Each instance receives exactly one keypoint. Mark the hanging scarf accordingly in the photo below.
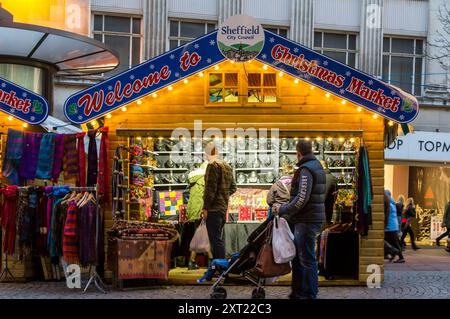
(28, 164)
(57, 221)
(88, 250)
(27, 225)
(365, 193)
(45, 158)
(70, 236)
(8, 218)
(49, 193)
(13, 154)
(103, 169)
(81, 159)
(41, 223)
(22, 208)
(70, 160)
(58, 157)
(92, 159)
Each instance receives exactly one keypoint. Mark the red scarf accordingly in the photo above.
(70, 235)
(81, 159)
(8, 218)
(103, 162)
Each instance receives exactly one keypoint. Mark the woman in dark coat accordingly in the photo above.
(408, 215)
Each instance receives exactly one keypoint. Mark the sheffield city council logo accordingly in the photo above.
(240, 38)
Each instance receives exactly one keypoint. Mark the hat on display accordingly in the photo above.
(350, 162)
(241, 178)
(284, 145)
(265, 160)
(168, 179)
(241, 144)
(253, 178)
(241, 162)
(348, 145)
(158, 179)
(329, 162)
(329, 146)
(160, 145)
(341, 179)
(292, 144)
(284, 160)
(348, 178)
(269, 177)
(170, 163)
(170, 144)
(256, 163)
(198, 146)
(182, 178)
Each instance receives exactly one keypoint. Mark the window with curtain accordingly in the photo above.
(123, 34)
(403, 63)
(339, 46)
(29, 77)
(182, 32)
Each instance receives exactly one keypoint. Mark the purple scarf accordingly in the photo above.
(28, 164)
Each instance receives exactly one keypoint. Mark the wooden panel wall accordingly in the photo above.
(301, 108)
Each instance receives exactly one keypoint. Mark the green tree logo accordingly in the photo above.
(73, 109)
(407, 106)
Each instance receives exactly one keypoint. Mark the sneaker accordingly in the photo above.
(399, 261)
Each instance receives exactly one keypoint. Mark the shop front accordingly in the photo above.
(417, 166)
(255, 98)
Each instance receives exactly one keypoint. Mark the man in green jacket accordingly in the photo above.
(445, 223)
(219, 186)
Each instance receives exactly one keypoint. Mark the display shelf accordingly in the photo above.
(151, 153)
(255, 169)
(167, 185)
(255, 184)
(173, 152)
(339, 152)
(295, 152)
(202, 153)
(165, 169)
(345, 184)
(341, 168)
(146, 166)
(255, 151)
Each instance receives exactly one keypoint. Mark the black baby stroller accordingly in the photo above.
(243, 264)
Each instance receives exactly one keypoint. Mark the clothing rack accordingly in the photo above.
(6, 271)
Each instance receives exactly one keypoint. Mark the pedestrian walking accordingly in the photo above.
(445, 223)
(408, 215)
(391, 226)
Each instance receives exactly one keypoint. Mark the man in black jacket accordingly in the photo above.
(306, 212)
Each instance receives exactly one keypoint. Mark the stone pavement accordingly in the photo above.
(425, 275)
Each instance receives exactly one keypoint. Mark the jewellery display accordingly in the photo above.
(253, 178)
(270, 178)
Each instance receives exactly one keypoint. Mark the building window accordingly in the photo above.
(338, 46)
(182, 32)
(223, 88)
(122, 34)
(280, 31)
(403, 63)
(262, 88)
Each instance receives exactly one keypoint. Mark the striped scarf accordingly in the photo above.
(70, 160)
(81, 159)
(103, 168)
(8, 218)
(70, 236)
(45, 158)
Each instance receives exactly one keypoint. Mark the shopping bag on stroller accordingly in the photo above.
(265, 262)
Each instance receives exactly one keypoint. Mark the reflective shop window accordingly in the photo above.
(123, 34)
(338, 46)
(223, 88)
(262, 88)
(182, 32)
(403, 63)
(278, 30)
(29, 77)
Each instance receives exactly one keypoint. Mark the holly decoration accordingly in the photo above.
(37, 107)
(73, 109)
(407, 106)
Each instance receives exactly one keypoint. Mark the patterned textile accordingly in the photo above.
(8, 218)
(70, 236)
(81, 159)
(92, 169)
(87, 233)
(22, 207)
(11, 161)
(170, 202)
(254, 199)
(27, 225)
(103, 166)
(45, 158)
(41, 224)
(29, 161)
(143, 259)
(118, 200)
(70, 161)
(58, 157)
